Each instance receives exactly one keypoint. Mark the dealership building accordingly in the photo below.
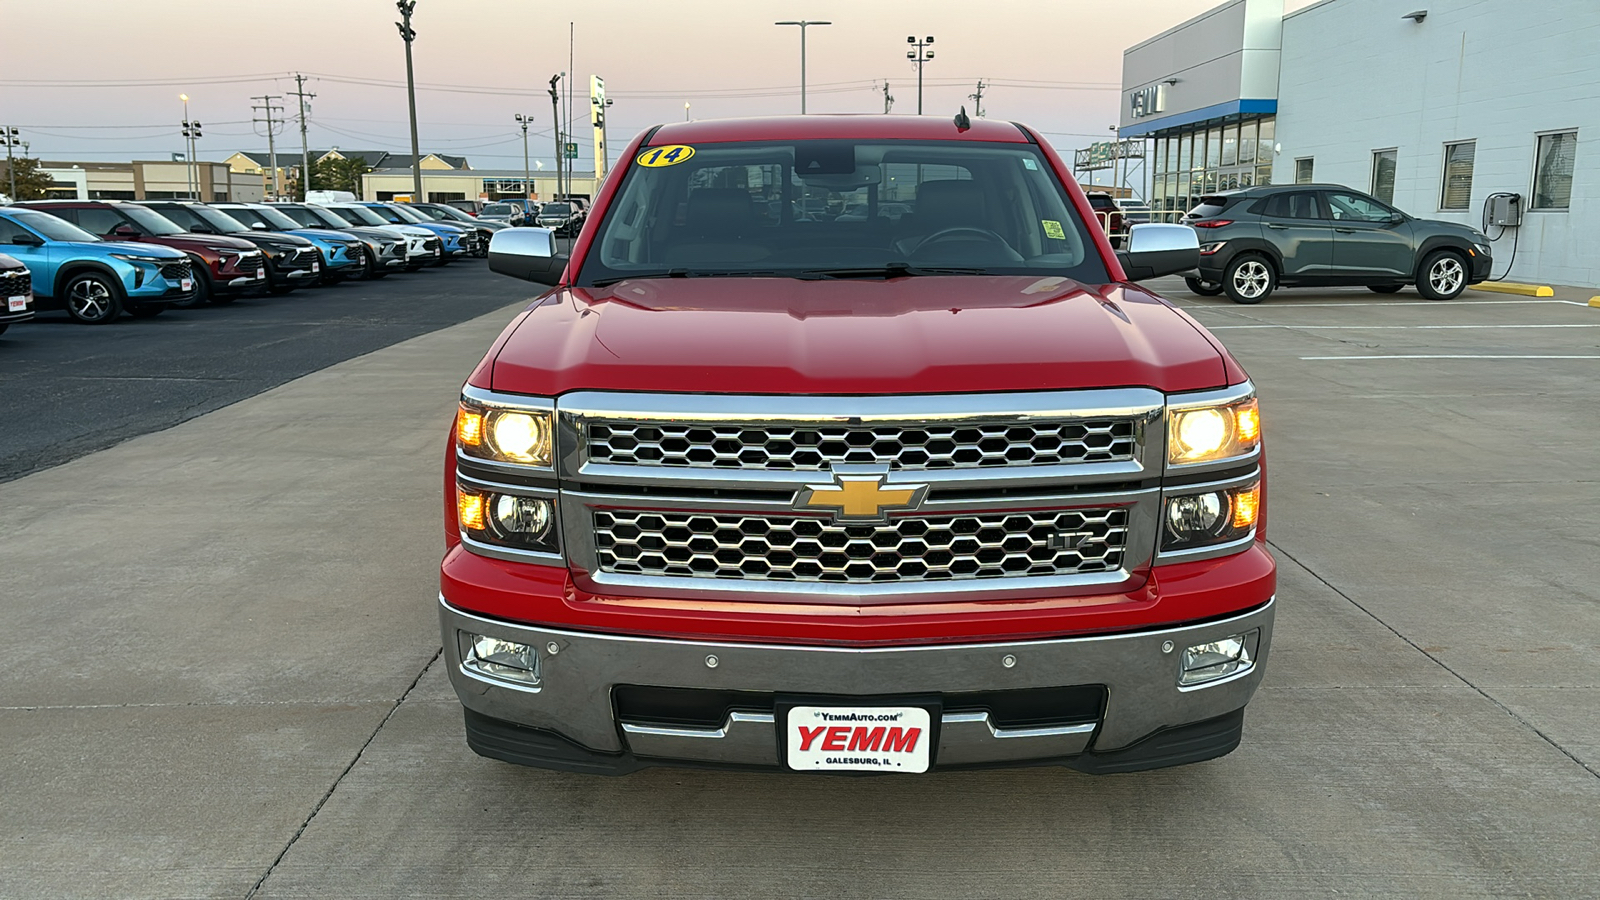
(1442, 108)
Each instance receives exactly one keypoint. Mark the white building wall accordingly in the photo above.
(1356, 77)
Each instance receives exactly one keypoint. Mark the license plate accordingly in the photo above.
(261, 274)
(17, 304)
(186, 284)
(316, 267)
(858, 738)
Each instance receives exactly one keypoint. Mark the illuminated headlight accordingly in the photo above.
(1233, 655)
(499, 658)
(1209, 518)
(508, 520)
(1208, 433)
(520, 436)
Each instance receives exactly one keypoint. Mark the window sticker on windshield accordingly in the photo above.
(1053, 229)
(1029, 164)
(657, 157)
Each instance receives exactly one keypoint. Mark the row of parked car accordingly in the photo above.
(564, 217)
(98, 259)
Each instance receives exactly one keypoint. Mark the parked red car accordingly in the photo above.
(227, 267)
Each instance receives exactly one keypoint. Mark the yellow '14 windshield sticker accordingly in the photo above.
(656, 157)
(1053, 229)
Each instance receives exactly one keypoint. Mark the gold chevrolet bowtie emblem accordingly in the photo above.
(860, 496)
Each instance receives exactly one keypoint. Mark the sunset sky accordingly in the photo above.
(1055, 65)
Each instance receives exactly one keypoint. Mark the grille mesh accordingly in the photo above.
(912, 548)
(175, 271)
(13, 284)
(817, 447)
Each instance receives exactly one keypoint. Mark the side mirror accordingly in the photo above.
(1155, 249)
(202, 229)
(258, 226)
(125, 230)
(27, 239)
(527, 253)
(1396, 218)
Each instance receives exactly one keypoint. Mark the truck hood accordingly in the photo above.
(945, 334)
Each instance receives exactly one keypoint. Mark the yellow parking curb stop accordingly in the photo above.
(1511, 287)
(1594, 302)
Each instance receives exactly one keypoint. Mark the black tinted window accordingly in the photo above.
(98, 221)
(1208, 207)
(1296, 205)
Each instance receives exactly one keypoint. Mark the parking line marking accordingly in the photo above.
(1446, 356)
(1387, 327)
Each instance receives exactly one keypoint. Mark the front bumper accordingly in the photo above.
(570, 720)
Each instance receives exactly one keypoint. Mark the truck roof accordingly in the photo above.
(836, 126)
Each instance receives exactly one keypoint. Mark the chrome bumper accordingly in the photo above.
(573, 700)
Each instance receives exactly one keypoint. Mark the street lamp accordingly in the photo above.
(803, 25)
(919, 56)
(191, 132)
(686, 110)
(10, 138)
(408, 35)
(555, 106)
(527, 188)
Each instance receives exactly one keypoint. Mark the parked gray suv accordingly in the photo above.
(1256, 240)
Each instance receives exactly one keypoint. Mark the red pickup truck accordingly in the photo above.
(928, 485)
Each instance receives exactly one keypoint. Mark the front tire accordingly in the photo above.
(93, 298)
(202, 287)
(1249, 279)
(1203, 288)
(1443, 275)
(1385, 288)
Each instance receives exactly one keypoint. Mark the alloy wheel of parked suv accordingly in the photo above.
(92, 299)
(1249, 279)
(1444, 276)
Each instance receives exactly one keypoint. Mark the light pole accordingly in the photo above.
(555, 112)
(803, 25)
(191, 132)
(919, 56)
(686, 110)
(408, 35)
(9, 137)
(527, 189)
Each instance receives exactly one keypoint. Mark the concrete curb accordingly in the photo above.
(1511, 287)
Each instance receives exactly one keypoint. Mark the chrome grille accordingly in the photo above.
(911, 548)
(807, 447)
(249, 263)
(175, 271)
(14, 284)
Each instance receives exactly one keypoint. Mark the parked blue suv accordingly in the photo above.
(342, 253)
(94, 280)
(456, 241)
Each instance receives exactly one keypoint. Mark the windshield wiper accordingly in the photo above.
(889, 270)
(688, 273)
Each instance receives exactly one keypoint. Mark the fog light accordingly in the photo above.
(1207, 662)
(503, 659)
(1196, 516)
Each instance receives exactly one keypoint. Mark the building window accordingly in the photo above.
(1247, 143)
(1552, 170)
(1230, 144)
(1383, 175)
(1457, 190)
(1302, 170)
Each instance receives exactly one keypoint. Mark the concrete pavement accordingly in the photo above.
(220, 674)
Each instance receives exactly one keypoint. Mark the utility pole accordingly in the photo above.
(527, 188)
(408, 35)
(267, 108)
(920, 56)
(572, 42)
(888, 100)
(9, 137)
(555, 110)
(598, 101)
(803, 25)
(305, 150)
(978, 98)
(191, 132)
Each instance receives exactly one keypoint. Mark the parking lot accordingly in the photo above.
(221, 676)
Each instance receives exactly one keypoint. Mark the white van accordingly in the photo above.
(330, 197)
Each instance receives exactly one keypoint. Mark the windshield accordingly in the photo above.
(408, 214)
(247, 216)
(215, 218)
(275, 218)
(556, 209)
(51, 227)
(151, 221)
(357, 215)
(818, 209)
(387, 215)
(447, 213)
(302, 216)
(498, 209)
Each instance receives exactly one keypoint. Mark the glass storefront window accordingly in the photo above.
(1264, 142)
(1185, 152)
(1247, 142)
(1230, 144)
(1213, 148)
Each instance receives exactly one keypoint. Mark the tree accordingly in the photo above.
(32, 182)
(333, 174)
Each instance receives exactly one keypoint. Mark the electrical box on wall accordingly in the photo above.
(1505, 210)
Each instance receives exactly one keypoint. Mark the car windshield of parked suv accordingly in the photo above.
(205, 217)
(445, 213)
(275, 218)
(556, 209)
(814, 209)
(310, 217)
(407, 214)
(1207, 207)
(151, 221)
(498, 209)
(357, 215)
(387, 215)
(249, 216)
(51, 227)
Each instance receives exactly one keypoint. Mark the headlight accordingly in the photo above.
(522, 436)
(1208, 433)
(1209, 518)
(132, 257)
